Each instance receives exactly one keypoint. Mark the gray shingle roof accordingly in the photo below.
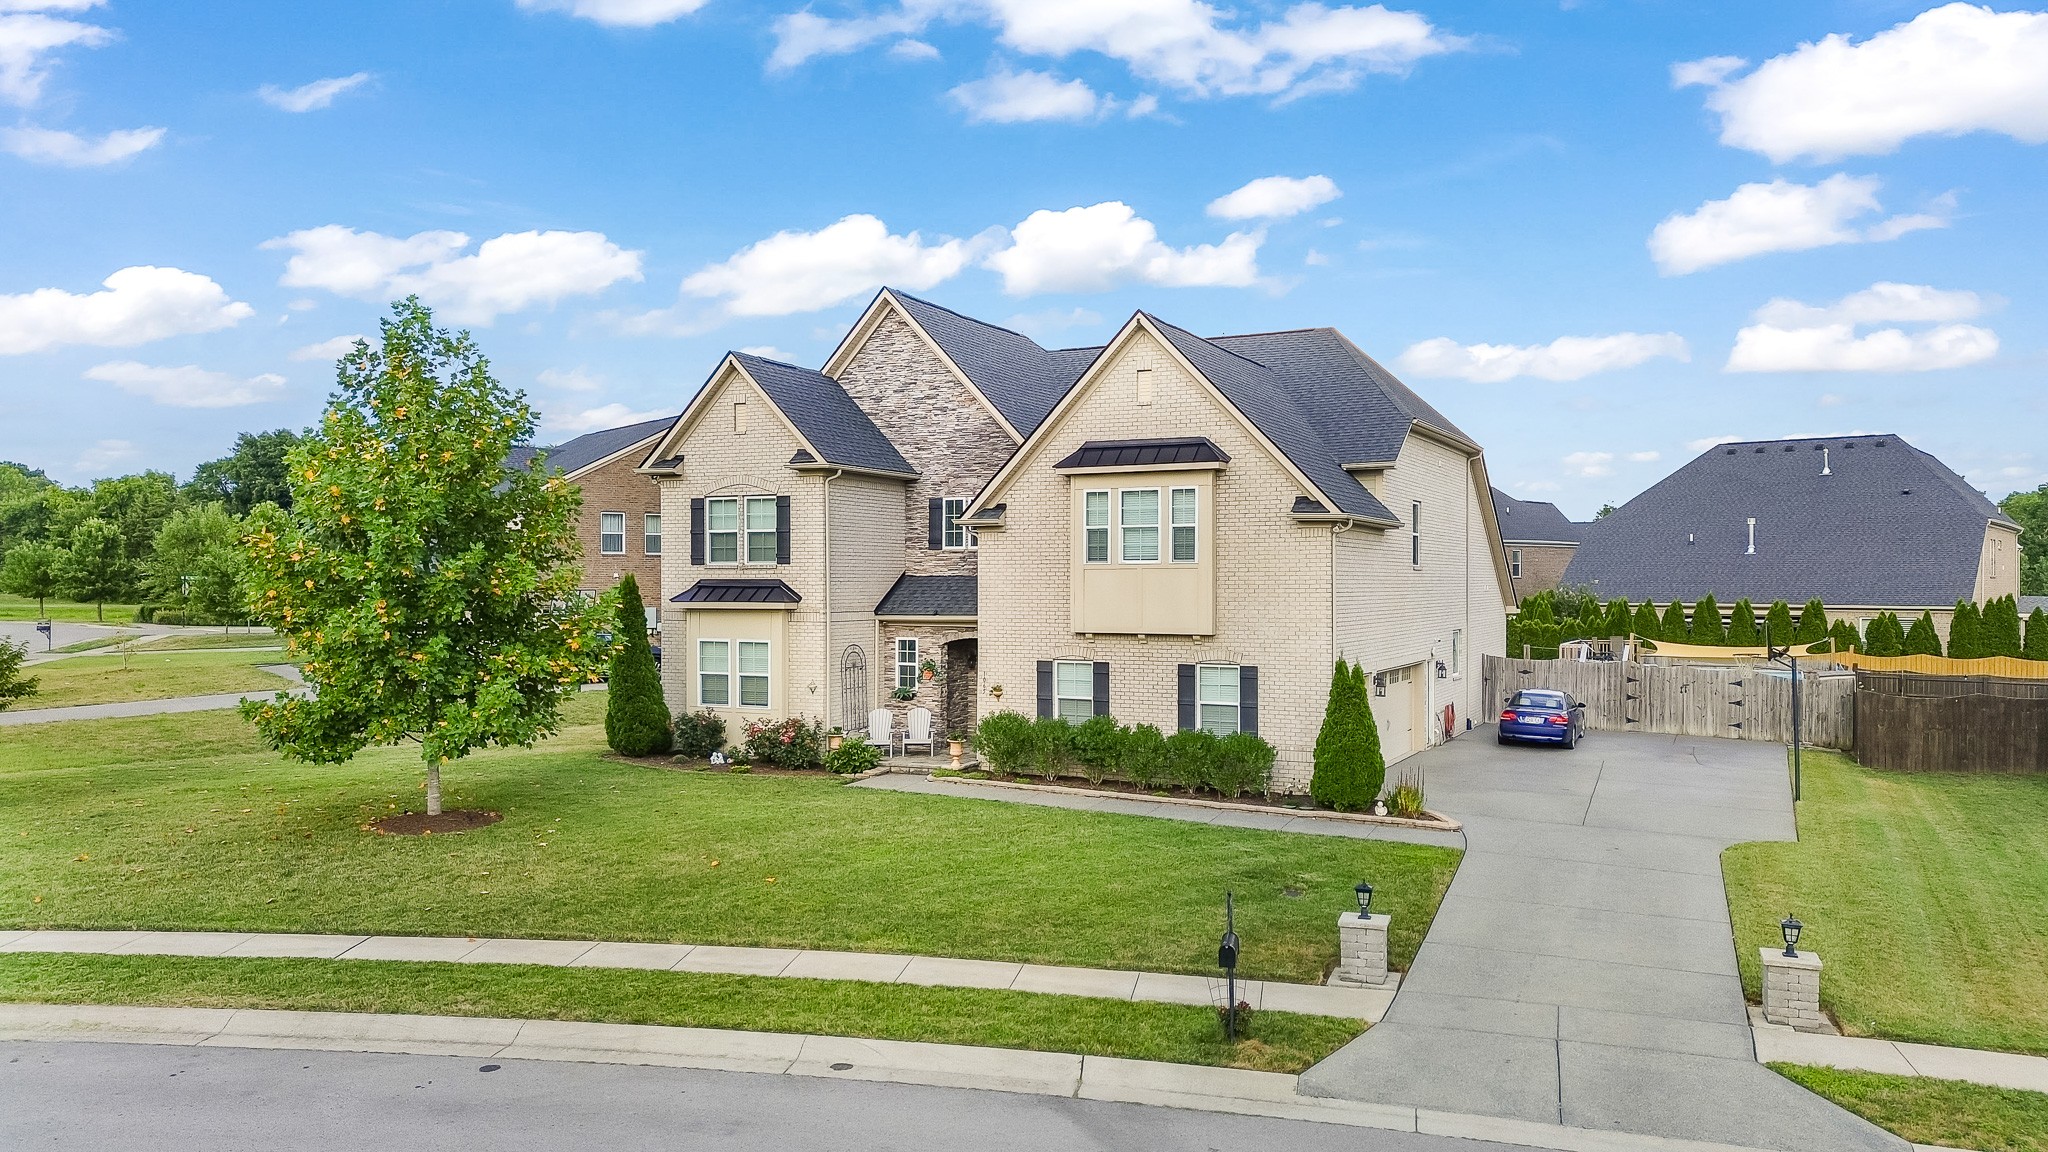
(1532, 521)
(1145, 453)
(2028, 603)
(589, 448)
(737, 592)
(1361, 410)
(930, 596)
(826, 415)
(1020, 378)
(1889, 525)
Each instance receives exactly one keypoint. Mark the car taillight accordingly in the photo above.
(1508, 717)
(1560, 720)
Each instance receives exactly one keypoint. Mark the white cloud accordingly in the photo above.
(68, 150)
(1565, 358)
(333, 349)
(805, 271)
(1045, 325)
(1790, 336)
(1779, 217)
(1271, 197)
(189, 386)
(1590, 464)
(1951, 70)
(48, 5)
(507, 273)
(1648, 457)
(137, 305)
(766, 352)
(578, 379)
(26, 39)
(913, 50)
(103, 455)
(618, 13)
(1705, 443)
(1184, 44)
(593, 419)
(1709, 72)
(311, 97)
(1095, 248)
(1006, 97)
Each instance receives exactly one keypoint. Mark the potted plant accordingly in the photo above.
(928, 671)
(904, 694)
(834, 738)
(956, 744)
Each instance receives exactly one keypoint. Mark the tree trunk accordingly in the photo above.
(433, 789)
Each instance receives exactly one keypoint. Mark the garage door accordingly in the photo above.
(1396, 714)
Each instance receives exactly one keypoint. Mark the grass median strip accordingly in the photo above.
(143, 675)
(1276, 1041)
(1950, 1113)
(1922, 893)
(187, 823)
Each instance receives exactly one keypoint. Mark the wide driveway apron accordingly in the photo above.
(1581, 970)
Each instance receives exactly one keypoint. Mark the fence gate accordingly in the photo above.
(853, 689)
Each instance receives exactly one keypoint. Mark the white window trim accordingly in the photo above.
(1089, 699)
(655, 535)
(742, 542)
(1159, 516)
(1415, 533)
(739, 678)
(602, 519)
(951, 508)
(737, 532)
(1515, 563)
(1457, 653)
(1107, 527)
(728, 674)
(916, 663)
(1236, 706)
(773, 531)
(1173, 526)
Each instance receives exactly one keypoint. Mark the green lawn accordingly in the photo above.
(1923, 895)
(193, 641)
(1276, 1041)
(1949, 1113)
(98, 642)
(144, 675)
(23, 608)
(186, 822)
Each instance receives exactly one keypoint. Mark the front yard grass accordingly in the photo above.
(187, 822)
(1276, 1041)
(1922, 893)
(143, 675)
(194, 641)
(1950, 1113)
(14, 607)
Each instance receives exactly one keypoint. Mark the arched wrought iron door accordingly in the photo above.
(853, 689)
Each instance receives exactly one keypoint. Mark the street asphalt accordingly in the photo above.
(181, 1099)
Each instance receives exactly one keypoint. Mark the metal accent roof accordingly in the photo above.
(1532, 521)
(930, 596)
(737, 592)
(1144, 453)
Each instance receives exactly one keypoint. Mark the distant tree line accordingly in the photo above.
(1550, 619)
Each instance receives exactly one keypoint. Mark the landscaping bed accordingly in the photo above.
(1279, 804)
(1922, 894)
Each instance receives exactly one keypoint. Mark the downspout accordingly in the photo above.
(825, 682)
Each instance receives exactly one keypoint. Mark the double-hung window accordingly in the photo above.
(1216, 698)
(760, 529)
(1415, 533)
(714, 673)
(906, 662)
(1138, 524)
(1515, 563)
(753, 673)
(1182, 502)
(1095, 525)
(725, 533)
(722, 531)
(611, 533)
(955, 535)
(650, 534)
(1073, 690)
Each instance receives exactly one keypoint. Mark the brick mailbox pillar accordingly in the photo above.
(1792, 990)
(1362, 950)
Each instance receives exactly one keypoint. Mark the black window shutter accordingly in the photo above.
(782, 529)
(1187, 697)
(697, 531)
(935, 512)
(1248, 698)
(1044, 688)
(1102, 688)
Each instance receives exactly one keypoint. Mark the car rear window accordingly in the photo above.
(1537, 700)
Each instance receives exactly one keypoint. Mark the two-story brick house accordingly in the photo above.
(1174, 530)
(620, 525)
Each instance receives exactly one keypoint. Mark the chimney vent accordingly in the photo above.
(1824, 469)
(1752, 537)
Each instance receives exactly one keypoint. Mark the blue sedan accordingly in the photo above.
(1540, 715)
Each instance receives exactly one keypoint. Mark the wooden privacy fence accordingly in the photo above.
(1729, 701)
(1941, 666)
(1951, 723)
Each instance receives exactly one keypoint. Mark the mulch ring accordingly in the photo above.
(420, 824)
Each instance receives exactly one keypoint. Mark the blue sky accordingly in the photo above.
(1595, 234)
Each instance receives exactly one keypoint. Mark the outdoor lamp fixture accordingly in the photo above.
(1364, 891)
(1791, 927)
(1443, 672)
(1379, 683)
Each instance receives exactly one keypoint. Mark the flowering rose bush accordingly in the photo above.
(792, 743)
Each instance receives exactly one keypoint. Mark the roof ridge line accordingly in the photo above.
(964, 316)
(1267, 369)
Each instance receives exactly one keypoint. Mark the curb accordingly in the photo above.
(1100, 1078)
(1441, 823)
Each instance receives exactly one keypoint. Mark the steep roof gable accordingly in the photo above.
(833, 429)
(1361, 410)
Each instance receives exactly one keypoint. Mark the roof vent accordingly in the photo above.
(1824, 469)
(1877, 444)
(1759, 449)
(1752, 537)
(1731, 452)
(1788, 448)
(1905, 491)
(1688, 537)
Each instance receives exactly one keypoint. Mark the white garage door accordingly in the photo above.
(1396, 713)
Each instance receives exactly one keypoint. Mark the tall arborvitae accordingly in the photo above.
(1646, 624)
(1843, 637)
(1372, 763)
(2036, 646)
(1349, 767)
(1618, 618)
(1674, 628)
(1965, 632)
(1923, 639)
(1884, 637)
(1742, 625)
(636, 721)
(1706, 622)
(1778, 628)
(1813, 624)
(2001, 634)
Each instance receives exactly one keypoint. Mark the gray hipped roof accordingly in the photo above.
(1532, 521)
(1884, 525)
(826, 416)
(930, 596)
(590, 447)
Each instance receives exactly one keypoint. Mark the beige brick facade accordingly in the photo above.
(616, 486)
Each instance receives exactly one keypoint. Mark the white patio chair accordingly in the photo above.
(882, 731)
(919, 731)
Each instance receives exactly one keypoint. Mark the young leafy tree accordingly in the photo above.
(33, 569)
(1646, 624)
(182, 543)
(1674, 628)
(431, 592)
(2001, 632)
(137, 506)
(1922, 639)
(1965, 640)
(1777, 626)
(13, 685)
(2036, 647)
(2030, 511)
(1706, 622)
(96, 566)
(220, 590)
(1742, 625)
(636, 719)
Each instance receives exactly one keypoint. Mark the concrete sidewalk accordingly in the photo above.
(1778, 1044)
(210, 703)
(933, 971)
(1216, 1090)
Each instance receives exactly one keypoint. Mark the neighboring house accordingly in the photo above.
(1538, 542)
(620, 526)
(1865, 523)
(1172, 530)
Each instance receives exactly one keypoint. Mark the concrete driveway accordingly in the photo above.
(1582, 970)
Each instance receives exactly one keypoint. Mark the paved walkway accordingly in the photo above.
(1776, 1043)
(1306, 823)
(210, 703)
(1581, 970)
(879, 968)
